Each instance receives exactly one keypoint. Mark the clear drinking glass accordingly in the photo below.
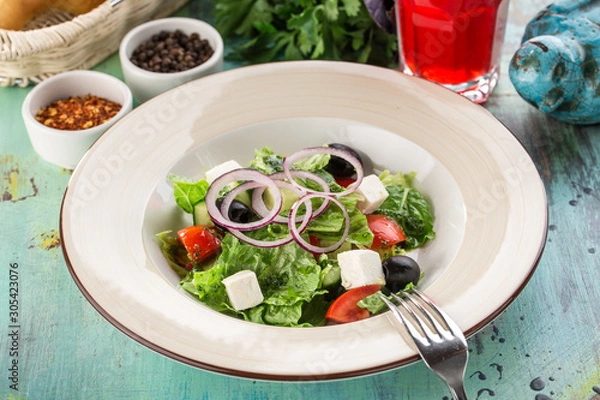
(456, 43)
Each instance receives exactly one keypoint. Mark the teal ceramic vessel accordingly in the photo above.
(556, 68)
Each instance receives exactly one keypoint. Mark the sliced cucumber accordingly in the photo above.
(244, 197)
(288, 199)
(201, 216)
(333, 277)
(344, 247)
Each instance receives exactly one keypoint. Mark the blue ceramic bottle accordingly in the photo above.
(556, 68)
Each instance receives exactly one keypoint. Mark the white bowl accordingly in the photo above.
(61, 147)
(146, 84)
(487, 197)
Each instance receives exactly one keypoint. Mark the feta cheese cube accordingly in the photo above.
(360, 268)
(373, 193)
(243, 290)
(221, 169)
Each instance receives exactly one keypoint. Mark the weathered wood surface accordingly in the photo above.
(546, 343)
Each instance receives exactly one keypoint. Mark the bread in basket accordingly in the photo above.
(58, 41)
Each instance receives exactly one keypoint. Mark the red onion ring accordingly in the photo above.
(253, 179)
(300, 174)
(233, 193)
(240, 174)
(259, 206)
(304, 220)
(261, 243)
(289, 161)
(296, 233)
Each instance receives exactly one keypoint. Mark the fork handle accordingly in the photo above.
(458, 391)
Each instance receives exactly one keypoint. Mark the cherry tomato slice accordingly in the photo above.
(200, 242)
(345, 309)
(385, 231)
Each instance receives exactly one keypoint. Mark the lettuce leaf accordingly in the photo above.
(328, 227)
(407, 206)
(269, 314)
(188, 192)
(173, 251)
(399, 179)
(375, 305)
(313, 163)
(266, 161)
(289, 277)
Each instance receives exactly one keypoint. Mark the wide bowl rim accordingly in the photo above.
(345, 68)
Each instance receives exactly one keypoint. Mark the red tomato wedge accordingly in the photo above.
(200, 242)
(344, 182)
(385, 231)
(345, 309)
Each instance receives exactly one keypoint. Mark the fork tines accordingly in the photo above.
(438, 339)
(423, 320)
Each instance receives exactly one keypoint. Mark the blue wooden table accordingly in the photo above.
(546, 345)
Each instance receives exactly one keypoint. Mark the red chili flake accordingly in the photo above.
(77, 113)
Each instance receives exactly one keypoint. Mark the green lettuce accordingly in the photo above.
(266, 161)
(375, 305)
(399, 179)
(293, 284)
(173, 251)
(313, 163)
(188, 192)
(289, 277)
(269, 314)
(329, 226)
(407, 206)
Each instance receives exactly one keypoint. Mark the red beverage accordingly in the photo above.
(453, 42)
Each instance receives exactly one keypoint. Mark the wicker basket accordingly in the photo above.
(57, 42)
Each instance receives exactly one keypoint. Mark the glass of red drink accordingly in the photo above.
(455, 43)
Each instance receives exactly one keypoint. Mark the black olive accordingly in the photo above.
(339, 167)
(238, 211)
(334, 293)
(399, 271)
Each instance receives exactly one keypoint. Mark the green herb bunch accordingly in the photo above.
(273, 30)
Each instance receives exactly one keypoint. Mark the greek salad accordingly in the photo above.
(306, 239)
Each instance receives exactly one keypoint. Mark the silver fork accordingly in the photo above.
(438, 339)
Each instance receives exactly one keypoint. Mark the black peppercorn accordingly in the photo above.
(172, 52)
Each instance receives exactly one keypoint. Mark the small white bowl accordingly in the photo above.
(146, 84)
(62, 147)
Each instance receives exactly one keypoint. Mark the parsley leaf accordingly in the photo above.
(273, 30)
